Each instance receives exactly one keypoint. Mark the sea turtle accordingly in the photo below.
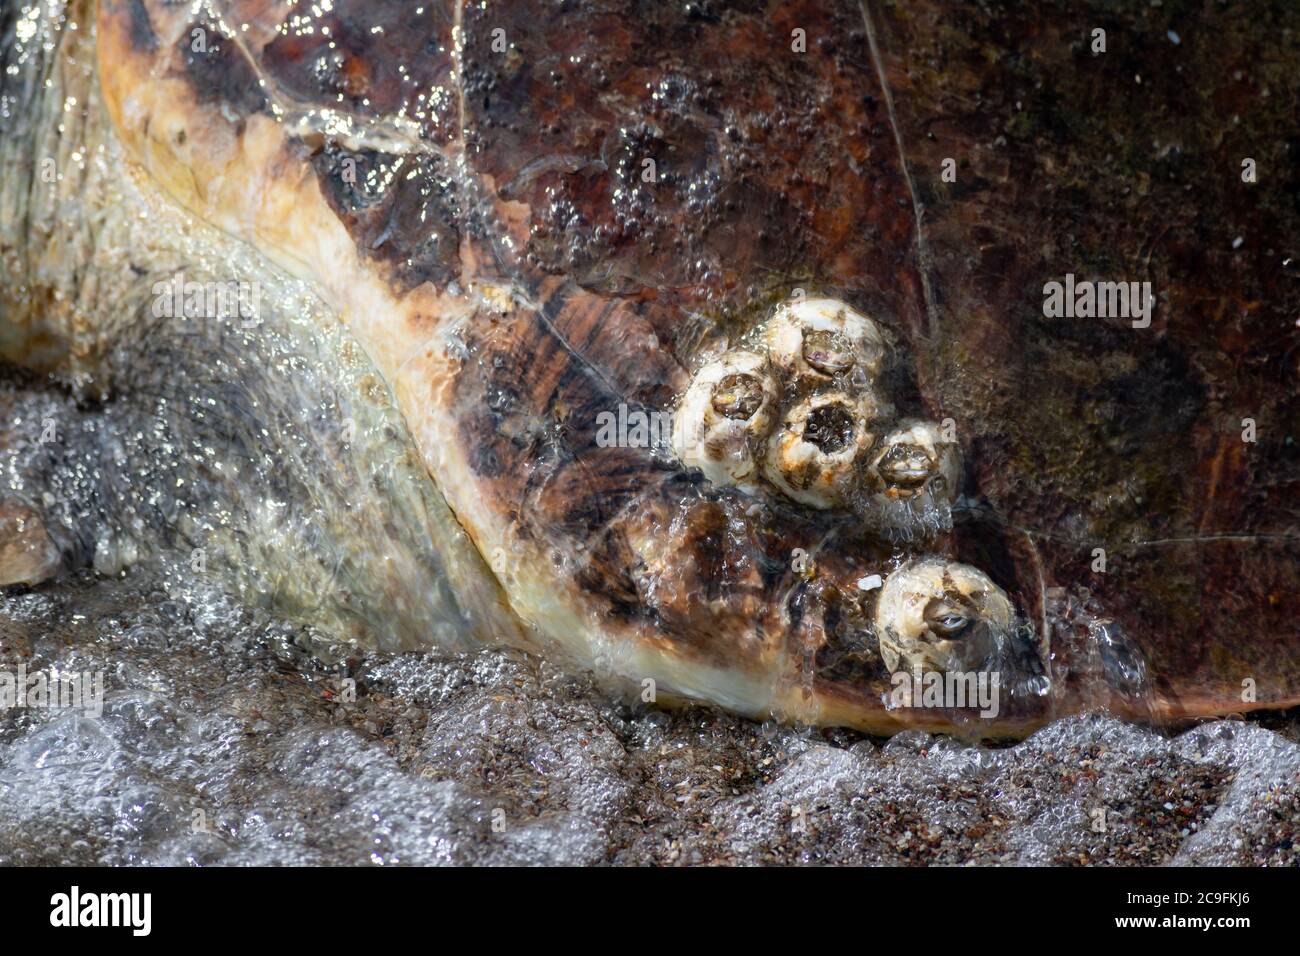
(372, 306)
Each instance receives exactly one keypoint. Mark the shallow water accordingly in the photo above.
(222, 741)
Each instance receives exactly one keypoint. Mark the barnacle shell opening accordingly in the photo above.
(813, 455)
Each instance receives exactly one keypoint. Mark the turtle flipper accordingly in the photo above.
(615, 554)
(554, 222)
(260, 452)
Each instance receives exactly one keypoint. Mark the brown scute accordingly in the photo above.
(583, 492)
(609, 575)
(531, 396)
(401, 211)
(845, 649)
(530, 399)
(696, 565)
(706, 543)
(772, 166)
(219, 74)
(373, 59)
(614, 339)
(481, 451)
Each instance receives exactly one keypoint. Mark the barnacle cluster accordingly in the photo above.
(802, 408)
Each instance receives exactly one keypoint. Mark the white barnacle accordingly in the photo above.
(813, 455)
(825, 339)
(911, 480)
(725, 416)
(914, 458)
(938, 615)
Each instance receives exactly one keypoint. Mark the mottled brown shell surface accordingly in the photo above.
(470, 143)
